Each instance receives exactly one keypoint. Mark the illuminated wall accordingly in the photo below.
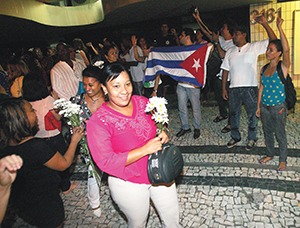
(291, 28)
(53, 15)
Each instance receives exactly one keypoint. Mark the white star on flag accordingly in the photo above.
(196, 64)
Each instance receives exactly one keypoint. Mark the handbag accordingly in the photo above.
(165, 165)
(51, 123)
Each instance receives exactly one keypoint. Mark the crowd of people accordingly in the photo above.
(107, 81)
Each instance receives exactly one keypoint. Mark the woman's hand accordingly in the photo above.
(164, 137)
(134, 40)
(279, 22)
(8, 167)
(257, 112)
(153, 146)
(261, 18)
(173, 31)
(225, 95)
(78, 133)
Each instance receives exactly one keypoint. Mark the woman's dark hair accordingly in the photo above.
(79, 45)
(34, 86)
(104, 52)
(92, 72)
(278, 45)
(14, 124)
(112, 71)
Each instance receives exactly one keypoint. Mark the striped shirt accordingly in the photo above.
(65, 80)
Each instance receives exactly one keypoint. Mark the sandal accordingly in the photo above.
(226, 129)
(264, 159)
(219, 118)
(281, 166)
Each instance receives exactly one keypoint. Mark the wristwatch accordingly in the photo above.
(155, 90)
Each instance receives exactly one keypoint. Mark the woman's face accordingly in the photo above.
(198, 35)
(91, 86)
(272, 52)
(31, 114)
(119, 91)
(142, 41)
(72, 53)
(112, 55)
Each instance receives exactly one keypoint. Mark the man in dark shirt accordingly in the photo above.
(165, 40)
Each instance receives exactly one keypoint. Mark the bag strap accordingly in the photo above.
(265, 67)
(280, 73)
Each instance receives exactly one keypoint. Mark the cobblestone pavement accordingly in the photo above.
(219, 187)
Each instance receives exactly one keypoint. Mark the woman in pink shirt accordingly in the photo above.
(120, 137)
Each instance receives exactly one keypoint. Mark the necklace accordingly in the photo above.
(94, 101)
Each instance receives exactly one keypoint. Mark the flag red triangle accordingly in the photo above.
(194, 64)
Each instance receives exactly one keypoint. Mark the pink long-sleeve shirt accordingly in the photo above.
(111, 135)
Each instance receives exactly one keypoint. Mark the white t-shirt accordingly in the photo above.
(225, 45)
(241, 62)
(42, 107)
(137, 72)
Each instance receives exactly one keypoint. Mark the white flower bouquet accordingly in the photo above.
(71, 112)
(157, 108)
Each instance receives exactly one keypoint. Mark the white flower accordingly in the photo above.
(157, 107)
(59, 103)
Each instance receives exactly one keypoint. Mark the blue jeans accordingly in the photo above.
(273, 119)
(223, 104)
(248, 97)
(193, 94)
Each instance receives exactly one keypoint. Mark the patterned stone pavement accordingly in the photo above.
(219, 187)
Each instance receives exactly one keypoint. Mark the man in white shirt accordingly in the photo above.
(137, 72)
(66, 74)
(241, 62)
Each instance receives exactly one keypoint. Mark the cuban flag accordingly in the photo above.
(183, 63)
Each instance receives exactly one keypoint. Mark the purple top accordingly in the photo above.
(111, 135)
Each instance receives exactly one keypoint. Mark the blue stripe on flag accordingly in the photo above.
(177, 48)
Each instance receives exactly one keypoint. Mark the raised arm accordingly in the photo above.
(89, 44)
(83, 55)
(215, 40)
(202, 26)
(173, 31)
(140, 59)
(285, 46)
